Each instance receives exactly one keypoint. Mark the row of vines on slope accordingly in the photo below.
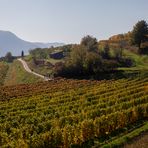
(69, 113)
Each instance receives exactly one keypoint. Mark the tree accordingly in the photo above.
(93, 63)
(39, 53)
(22, 54)
(85, 60)
(139, 33)
(77, 57)
(90, 43)
(8, 57)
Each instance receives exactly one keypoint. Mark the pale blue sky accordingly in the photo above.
(69, 20)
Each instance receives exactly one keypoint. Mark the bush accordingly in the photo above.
(143, 50)
(126, 62)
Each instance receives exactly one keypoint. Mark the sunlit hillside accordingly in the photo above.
(71, 113)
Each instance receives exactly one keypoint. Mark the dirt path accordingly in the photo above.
(30, 71)
(139, 142)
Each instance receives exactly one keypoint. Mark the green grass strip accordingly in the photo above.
(124, 139)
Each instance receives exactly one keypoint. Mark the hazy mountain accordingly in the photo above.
(10, 42)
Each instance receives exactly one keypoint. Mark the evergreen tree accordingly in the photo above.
(22, 54)
(139, 33)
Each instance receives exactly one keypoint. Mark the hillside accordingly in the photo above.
(130, 61)
(14, 73)
(71, 113)
(3, 71)
(140, 61)
(17, 75)
(39, 60)
(9, 42)
(69, 107)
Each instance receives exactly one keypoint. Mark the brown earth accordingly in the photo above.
(138, 142)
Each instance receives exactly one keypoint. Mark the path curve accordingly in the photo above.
(30, 71)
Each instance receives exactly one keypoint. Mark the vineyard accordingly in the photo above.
(3, 71)
(69, 113)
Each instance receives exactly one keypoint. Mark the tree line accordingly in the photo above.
(87, 58)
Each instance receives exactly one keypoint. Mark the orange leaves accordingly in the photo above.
(87, 130)
(146, 88)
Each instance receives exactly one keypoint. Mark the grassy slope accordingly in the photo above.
(17, 75)
(129, 138)
(3, 71)
(140, 61)
(43, 70)
(54, 61)
(140, 141)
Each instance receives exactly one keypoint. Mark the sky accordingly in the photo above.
(68, 21)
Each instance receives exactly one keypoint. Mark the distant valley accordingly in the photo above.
(10, 42)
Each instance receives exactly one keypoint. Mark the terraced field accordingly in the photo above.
(70, 113)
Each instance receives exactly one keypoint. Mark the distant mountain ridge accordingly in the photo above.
(10, 42)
